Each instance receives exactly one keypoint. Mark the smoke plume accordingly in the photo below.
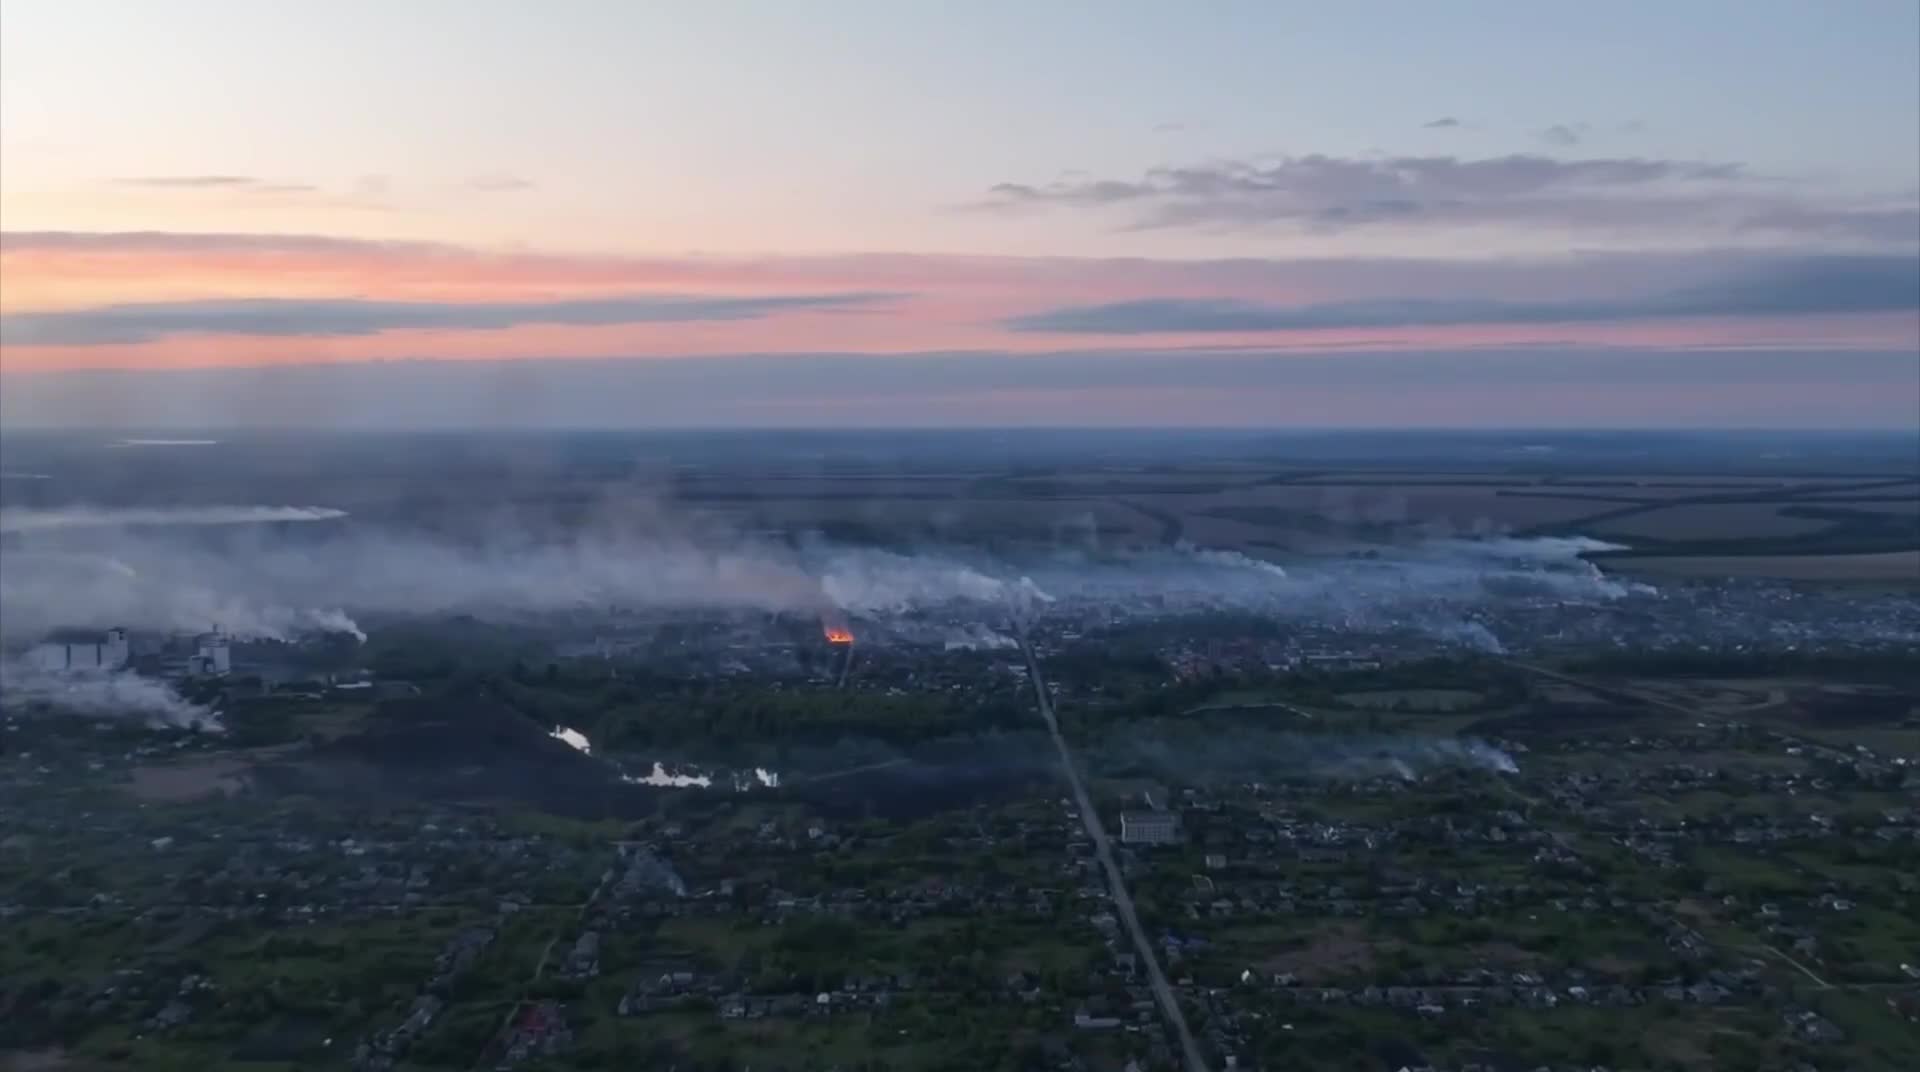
(1428, 586)
(977, 637)
(1273, 755)
(151, 587)
(164, 570)
(21, 520)
(115, 694)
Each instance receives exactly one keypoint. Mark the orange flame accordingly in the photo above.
(838, 635)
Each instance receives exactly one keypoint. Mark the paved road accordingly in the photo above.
(1103, 851)
(848, 772)
(1615, 693)
(1802, 968)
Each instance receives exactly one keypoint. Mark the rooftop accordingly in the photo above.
(76, 636)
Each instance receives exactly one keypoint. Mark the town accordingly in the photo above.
(1454, 862)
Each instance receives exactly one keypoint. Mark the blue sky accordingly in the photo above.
(796, 128)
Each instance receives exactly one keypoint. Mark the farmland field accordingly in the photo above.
(1899, 507)
(1706, 521)
(1909, 490)
(1386, 504)
(1788, 526)
(1896, 567)
(1414, 699)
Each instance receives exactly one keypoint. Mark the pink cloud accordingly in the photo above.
(947, 303)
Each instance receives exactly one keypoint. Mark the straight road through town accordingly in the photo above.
(1116, 884)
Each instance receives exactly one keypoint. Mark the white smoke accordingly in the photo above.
(1552, 563)
(1486, 755)
(662, 778)
(266, 588)
(880, 582)
(1532, 548)
(1232, 560)
(1470, 635)
(573, 738)
(1265, 755)
(28, 520)
(977, 637)
(1410, 585)
(334, 621)
(112, 694)
(1408, 757)
(139, 569)
(170, 590)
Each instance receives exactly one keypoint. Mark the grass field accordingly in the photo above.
(1892, 567)
(1785, 526)
(1414, 699)
(191, 779)
(1896, 507)
(1704, 517)
(1909, 490)
(1707, 521)
(1463, 505)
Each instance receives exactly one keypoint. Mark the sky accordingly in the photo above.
(864, 213)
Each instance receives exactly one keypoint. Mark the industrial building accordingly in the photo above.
(83, 651)
(212, 655)
(1149, 828)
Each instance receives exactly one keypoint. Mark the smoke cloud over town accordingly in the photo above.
(148, 569)
(118, 694)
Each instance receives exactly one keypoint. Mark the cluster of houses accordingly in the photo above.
(673, 988)
(1238, 854)
(1486, 988)
(538, 1030)
(583, 960)
(379, 1052)
(179, 1008)
(382, 1049)
(460, 953)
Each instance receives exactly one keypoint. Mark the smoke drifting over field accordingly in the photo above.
(119, 694)
(151, 586)
(1267, 755)
(152, 570)
(1434, 586)
(978, 637)
(1451, 570)
(86, 517)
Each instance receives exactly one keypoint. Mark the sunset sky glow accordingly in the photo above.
(1042, 212)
